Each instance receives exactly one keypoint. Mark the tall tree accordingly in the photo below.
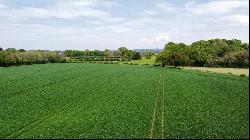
(147, 54)
(107, 53)
(117, 53)
(124, 52)
(21, 50)
(174, 54)
(136, 56)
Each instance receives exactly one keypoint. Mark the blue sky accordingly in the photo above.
(100, 24)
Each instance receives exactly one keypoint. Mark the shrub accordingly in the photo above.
(242, 75)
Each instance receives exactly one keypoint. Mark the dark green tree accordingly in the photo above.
(124, 52)
(136, 56)
(21, 50)
(147, 54)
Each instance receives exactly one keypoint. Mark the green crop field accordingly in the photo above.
(121, 101)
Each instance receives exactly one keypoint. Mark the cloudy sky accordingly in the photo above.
(100, 24)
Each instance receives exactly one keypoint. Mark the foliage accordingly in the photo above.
(12, 57)
(21, 50)
(174, 54)
(107, 53)
(121, 54)
(11, 49)
(147, 54)
(213, 52)
(136, 56)
(125, 53)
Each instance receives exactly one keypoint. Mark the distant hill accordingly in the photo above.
(157, 51)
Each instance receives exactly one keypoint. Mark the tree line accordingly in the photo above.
(10, 57)
(210, 53)
(120, 54)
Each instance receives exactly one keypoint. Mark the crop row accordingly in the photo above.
(120, 101)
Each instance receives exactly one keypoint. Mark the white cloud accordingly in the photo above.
(74, 9)
(149, 13)
(3, 6)
(237, 20)
(31, 12)
(75, 24)
(84, 2)
(167, 7)
(109, 4)
(161, 37)
(62, 9)
(218, 7)
(40, 30)
(119, 28)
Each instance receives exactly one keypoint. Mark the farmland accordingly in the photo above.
(121, 101)
(150, 61)
(233, 71)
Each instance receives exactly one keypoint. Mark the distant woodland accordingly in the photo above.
(210, 53)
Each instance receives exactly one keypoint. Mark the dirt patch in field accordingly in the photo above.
(229, 71)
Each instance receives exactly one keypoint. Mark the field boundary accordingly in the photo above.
(220, 70)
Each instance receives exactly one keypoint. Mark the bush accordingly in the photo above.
(243, 75)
